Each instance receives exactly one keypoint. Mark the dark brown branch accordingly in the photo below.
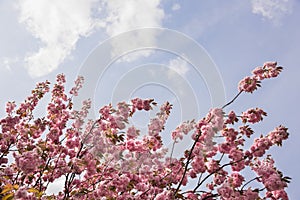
(187, 163)
(230, 102)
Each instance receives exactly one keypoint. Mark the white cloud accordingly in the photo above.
(127, 15)
(58, 25)
(176, 6)
(177, 65)
(132, 14)
(273, 10)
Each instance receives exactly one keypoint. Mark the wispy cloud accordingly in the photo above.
(176, 6)
(178, 66)
(6, 62)
(127, 15)
(272, 10)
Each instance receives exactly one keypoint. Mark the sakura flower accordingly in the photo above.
(246, 130)
(183, 128)
(220, 177)
(28, 162)
(215, 117)
(269, 176)
(278, 194)
(10, 106)
(225, 191)
(260, 146)
(278, 135)
(230, 134)
(78, 84)
(132, 132)
(192, 196)
(248, 84)
(269, 70)
(236, 180)
(253, 115)
(198, 164)
(21, 193)
(250, 194)
(231, 118)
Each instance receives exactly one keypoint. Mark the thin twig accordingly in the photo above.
(227, 164)
(230, 102)
(248, 183)
(187, 163)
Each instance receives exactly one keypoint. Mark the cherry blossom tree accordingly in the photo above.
(108, 158)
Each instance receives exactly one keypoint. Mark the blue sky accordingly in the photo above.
(40, 39)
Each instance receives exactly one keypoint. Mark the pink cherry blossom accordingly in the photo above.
(260, 146)
(78, 84)
(278, 135)
(268, 174)
(269, 70)
(225, 191)
(253, 115)
(10, 106)
(184, 128)
(109, 158)
(216, 118)
(246, 130)
(236, 179)
(231, 118)
(248, 84)
(278, 194)
(28, 162)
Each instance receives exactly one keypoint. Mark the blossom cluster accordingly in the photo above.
(109, 158)
(268, 70)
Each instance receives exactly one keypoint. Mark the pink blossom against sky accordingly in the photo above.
(39, 39)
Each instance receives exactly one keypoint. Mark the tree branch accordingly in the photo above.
(230, 102)
(187, 163)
